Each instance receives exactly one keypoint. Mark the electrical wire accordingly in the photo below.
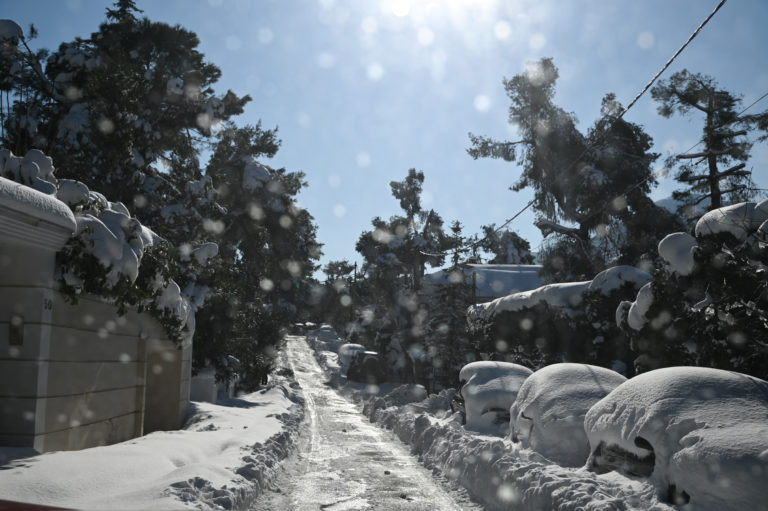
(621, 115)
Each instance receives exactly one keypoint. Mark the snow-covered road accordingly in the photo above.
(344, 461)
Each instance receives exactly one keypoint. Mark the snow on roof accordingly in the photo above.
(548, 414)
(495, 280)
(707, 428)
(689, 210)
(740, 220)
(677, 251)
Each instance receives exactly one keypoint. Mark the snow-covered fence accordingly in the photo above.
(74, 376)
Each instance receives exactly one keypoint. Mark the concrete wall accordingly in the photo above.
(77, 376)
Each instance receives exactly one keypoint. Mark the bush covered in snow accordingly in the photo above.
(548, 414)
(111, 254)
(700, 434)
(571, 321)
(707, 303)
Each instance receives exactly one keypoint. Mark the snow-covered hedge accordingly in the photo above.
(571, 321)
(707, 303)
(111, 254)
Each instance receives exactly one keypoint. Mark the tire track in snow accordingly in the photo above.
(348, 463)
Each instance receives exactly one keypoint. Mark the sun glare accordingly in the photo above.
(401, 8)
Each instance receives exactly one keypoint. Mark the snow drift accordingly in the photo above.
(226, 456)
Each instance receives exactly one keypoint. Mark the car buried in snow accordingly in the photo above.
(486, 391)
(548, 414)
(698, 434)
(366, 367)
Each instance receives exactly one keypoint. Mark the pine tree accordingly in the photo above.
(585, 187)
(507, 246)
(724, 139)
(446, 339)
(129, 111)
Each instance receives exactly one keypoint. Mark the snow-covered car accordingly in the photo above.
(548, 414)
(699, 434)
(486, 391)
(347, 353)
(366, 367)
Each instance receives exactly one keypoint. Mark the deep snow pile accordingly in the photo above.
(225, 457)
(707, 430)
(548, 414)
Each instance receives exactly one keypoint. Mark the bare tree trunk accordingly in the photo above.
(714, 179)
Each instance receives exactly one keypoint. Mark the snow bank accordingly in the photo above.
(490, 389)
(739, 220)
(548, 414)
(705, 427)
(502, 475)
(224, 458)
(677, 251)
(497, 472)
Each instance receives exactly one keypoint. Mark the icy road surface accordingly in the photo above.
(344, 462)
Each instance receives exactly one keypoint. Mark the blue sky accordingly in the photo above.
(364, 90)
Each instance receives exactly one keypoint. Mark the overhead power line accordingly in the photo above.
(672, 59)
(615, 119)
(632, 103)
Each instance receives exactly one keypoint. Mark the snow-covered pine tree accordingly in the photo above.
(129, 111)
(267, 247)
(583, 185)
(507, 246)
